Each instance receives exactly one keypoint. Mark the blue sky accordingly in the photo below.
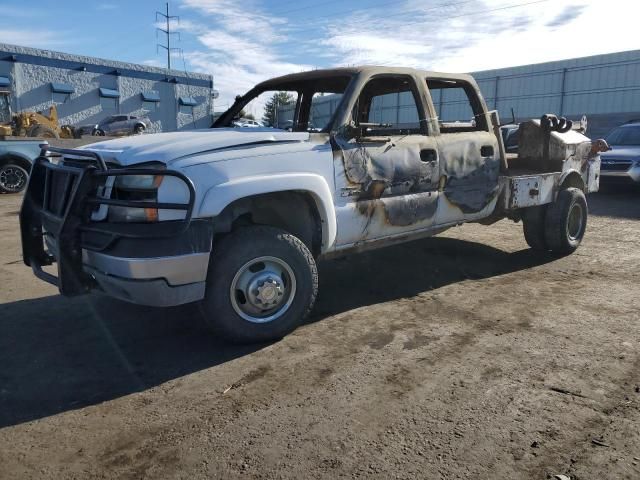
(242, 42)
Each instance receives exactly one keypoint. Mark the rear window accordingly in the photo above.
(457, 105)
(629, 135)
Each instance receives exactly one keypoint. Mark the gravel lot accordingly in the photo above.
(461, 356)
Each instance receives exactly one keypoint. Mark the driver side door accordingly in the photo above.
(386, 173)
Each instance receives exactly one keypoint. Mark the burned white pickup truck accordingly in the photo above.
(235, 218)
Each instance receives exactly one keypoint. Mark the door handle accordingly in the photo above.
(429, 155)
(486, 151)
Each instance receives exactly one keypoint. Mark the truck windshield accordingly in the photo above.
(306, 105)
(274, 109)
(629, 135)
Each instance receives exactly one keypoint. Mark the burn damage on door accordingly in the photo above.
(393, 181)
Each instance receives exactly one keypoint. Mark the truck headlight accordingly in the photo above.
(139, 182)
(136, 188)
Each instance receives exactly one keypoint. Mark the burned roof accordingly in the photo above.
(350, 71)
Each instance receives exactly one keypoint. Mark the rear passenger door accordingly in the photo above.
(119, 125)
(468, 152)
(387, 175)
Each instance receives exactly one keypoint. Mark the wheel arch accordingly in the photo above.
(572, 179)
(226, 200)
(17, 158)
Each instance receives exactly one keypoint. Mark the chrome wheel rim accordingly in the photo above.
(12, 179)
(575, 222)
(263, 289)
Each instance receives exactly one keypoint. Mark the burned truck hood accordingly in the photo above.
(167, 147)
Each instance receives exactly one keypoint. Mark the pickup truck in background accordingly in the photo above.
(16, 157)
(236, 218)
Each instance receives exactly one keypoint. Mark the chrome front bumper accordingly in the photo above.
(156, 281)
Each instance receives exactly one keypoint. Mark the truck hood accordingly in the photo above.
(621, 153)
(167, 147)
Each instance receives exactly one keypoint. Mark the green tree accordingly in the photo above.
(278, 100)
(243, 114)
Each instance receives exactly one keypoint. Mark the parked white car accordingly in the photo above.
(244, 123)
(235, 218)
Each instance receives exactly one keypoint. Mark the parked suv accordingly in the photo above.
(115, 125)
(622, 162)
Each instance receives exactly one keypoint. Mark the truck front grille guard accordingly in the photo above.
(59, 200)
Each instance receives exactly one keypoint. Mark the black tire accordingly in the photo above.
(138, 129)
(13, 178)
(42, 131)
(232, 255)
(98, 133)
(566, 221)
(533, 225)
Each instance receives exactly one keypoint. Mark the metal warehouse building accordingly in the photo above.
(604, 87)
(86, 89)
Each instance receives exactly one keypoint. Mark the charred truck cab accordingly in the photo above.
(235, 218)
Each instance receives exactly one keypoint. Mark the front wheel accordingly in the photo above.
(13, 178)
(43, 131)
(262, 282)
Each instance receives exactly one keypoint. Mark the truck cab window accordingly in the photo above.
(323, 106)
(457, 106)
(388, 106)
(271, 109)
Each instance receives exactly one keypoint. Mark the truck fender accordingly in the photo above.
(572, 178)
(221, 195)
(22, 159)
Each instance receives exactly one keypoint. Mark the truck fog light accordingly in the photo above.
(132, 215)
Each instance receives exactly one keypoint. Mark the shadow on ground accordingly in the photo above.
(618, 201)
(59, 354)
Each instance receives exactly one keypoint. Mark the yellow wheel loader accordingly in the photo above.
(36, 124)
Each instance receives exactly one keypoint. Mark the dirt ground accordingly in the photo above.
(461, 356)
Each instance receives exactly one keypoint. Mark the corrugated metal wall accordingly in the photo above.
(597, 85)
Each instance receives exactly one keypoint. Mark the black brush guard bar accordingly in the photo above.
(68, 216)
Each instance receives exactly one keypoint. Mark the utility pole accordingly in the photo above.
(168, 33)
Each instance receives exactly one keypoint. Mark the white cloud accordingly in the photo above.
(242, 44)
(479, 35)
(598, 28)
(106, 6)
(153, 62)
(241, 50)
(32, 38)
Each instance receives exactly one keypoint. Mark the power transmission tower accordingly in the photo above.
(168, 33)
